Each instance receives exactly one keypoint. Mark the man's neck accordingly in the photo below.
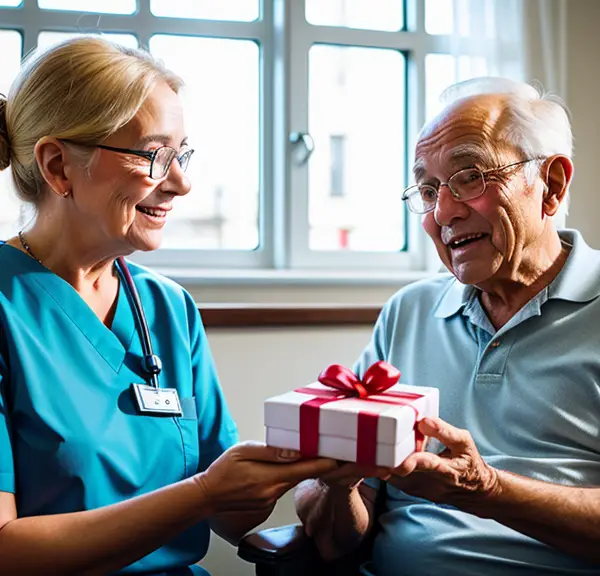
(503, 300)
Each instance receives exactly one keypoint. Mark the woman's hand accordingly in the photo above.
(253, 476)
(350, 475)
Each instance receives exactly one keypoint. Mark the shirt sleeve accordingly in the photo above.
(7, 470)
(217, 430)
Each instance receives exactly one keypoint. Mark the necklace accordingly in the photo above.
(26, 246)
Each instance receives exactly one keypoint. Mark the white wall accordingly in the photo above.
(251, 362)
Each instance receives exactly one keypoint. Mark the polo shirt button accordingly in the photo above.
(495, 344)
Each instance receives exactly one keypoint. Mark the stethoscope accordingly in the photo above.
(151, 363)
(150, 400)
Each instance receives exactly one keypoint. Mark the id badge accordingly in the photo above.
(158, 401)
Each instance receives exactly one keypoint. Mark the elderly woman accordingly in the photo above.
(116, 447)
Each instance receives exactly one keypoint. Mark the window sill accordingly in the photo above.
(211, 276)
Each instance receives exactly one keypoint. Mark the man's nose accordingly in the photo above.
(447, 207)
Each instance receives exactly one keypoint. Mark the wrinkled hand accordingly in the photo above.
(253, 476)
(457, 476)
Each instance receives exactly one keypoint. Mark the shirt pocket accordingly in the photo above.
(188, 424)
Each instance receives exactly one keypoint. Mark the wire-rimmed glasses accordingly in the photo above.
(464, 185)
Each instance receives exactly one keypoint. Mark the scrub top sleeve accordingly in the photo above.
(216, 429)
(377, 348)
(7, 471)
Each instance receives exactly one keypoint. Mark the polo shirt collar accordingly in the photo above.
(576, 282)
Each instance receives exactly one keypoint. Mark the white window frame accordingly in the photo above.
(284, 38)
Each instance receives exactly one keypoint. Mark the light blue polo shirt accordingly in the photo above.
(70, 436)
(529, 394)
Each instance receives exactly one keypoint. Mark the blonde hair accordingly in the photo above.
(83, 89)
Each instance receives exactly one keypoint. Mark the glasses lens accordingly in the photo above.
(184, 159)
(467, 184)
(162, 162)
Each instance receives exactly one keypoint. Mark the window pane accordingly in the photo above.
(221, 101)
(241, 10)
(475, 19)
(371, 15)
(10, 48)
(102, 6)
(442, 70)
(439, 16)
(47, 39)
(11, 2)
(356, 174)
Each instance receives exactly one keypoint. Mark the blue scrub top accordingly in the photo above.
(70, 436)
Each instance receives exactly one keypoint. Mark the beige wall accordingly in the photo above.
(251, 363)
(583, 78)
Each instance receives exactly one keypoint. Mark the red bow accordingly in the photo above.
(377, 379)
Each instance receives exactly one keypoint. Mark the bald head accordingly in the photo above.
(492, 118)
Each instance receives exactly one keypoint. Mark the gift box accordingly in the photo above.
(370, 421)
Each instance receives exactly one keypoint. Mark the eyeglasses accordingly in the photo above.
(464, 185)
(160, 159)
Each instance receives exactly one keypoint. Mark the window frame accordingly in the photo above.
(284, 38)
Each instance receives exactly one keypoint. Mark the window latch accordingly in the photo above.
(303, 147)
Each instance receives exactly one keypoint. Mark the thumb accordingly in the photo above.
(455, 439)
(261, 452)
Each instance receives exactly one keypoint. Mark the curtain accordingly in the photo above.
(523, 40)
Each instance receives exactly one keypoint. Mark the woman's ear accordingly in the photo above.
(559, 173)
(50, 154)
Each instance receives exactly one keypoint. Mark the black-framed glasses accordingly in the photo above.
(464, 185)
(160, 159)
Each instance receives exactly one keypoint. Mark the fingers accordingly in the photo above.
(261, 452)
(456, 439)
(423, 462)
(304, 469)
(349, 474)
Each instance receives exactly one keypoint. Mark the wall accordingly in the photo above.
(583, 77)
(251, 362)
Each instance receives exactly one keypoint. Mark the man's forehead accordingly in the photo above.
(462, 155)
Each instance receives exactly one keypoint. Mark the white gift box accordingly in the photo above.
(338, 422)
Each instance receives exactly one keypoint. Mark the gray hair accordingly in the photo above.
(535, 123)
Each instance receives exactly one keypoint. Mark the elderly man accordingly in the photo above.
(511, 338)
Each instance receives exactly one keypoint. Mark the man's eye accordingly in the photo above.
(428, 193)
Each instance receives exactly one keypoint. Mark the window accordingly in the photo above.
(303, 114)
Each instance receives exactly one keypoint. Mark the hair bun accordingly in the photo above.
(4, 140)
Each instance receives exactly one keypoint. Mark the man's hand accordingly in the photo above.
(456, 476)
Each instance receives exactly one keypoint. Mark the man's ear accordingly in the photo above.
(50, 154)
(558, 176)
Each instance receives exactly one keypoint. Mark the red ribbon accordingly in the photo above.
(345, 384)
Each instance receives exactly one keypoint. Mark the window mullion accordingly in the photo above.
(298, 217)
